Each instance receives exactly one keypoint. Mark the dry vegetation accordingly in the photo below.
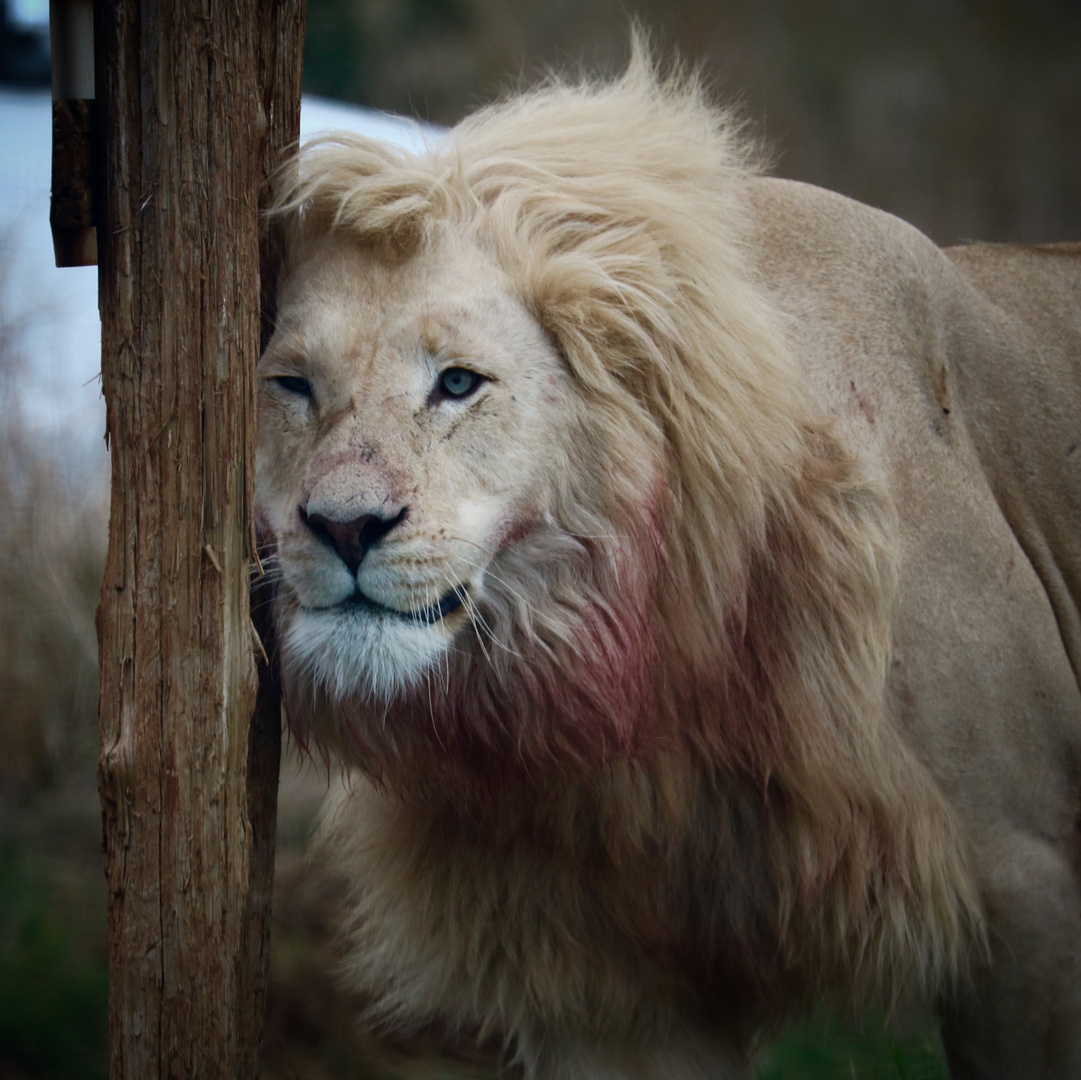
(52, 903)
(52, 530)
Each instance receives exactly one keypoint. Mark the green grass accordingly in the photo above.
(53, 974)
(828, 1051)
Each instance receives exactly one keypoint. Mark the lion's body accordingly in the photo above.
(941, 385)
(735, 674)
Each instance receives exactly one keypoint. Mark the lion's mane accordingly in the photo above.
(697, 665)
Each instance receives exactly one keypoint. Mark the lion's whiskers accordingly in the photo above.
(475, 615)
(499, 579)
(472, 614)
(428, 677)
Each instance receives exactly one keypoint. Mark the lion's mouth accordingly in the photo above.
(433, 613)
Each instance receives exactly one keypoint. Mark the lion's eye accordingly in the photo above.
(294, 384)
(459, 382)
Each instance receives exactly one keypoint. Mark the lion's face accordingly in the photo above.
(414, 421)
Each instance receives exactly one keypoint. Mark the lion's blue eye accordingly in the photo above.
(459, 382)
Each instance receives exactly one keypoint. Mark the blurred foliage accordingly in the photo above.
(53, 974)
(53, 971)
(828, 1051)
(961, 116)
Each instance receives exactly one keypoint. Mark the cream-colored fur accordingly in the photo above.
(706, 657)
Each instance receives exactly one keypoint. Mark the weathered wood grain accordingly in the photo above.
(197, 102)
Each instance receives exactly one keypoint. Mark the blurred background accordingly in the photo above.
(962, 116)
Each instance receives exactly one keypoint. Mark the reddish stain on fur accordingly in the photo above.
(512, 530)
(866, 407)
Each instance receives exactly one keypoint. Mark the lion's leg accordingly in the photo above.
(684, 1056)
(1021, 1020)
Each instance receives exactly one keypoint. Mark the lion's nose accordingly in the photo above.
(351, 539)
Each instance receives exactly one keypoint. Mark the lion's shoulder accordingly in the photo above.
(922, 354)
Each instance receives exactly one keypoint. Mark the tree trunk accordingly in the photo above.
(196, 103)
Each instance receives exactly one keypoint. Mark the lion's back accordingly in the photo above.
(1039, 284)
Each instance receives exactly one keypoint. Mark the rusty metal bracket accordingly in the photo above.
(72, 207)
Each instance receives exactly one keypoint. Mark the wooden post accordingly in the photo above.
(196, 102)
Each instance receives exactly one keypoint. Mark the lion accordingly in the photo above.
(684, 566)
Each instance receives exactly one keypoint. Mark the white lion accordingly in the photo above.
(686, 563)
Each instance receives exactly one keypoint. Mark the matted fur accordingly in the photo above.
(654, 779)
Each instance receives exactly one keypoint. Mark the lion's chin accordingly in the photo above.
(356, 651)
